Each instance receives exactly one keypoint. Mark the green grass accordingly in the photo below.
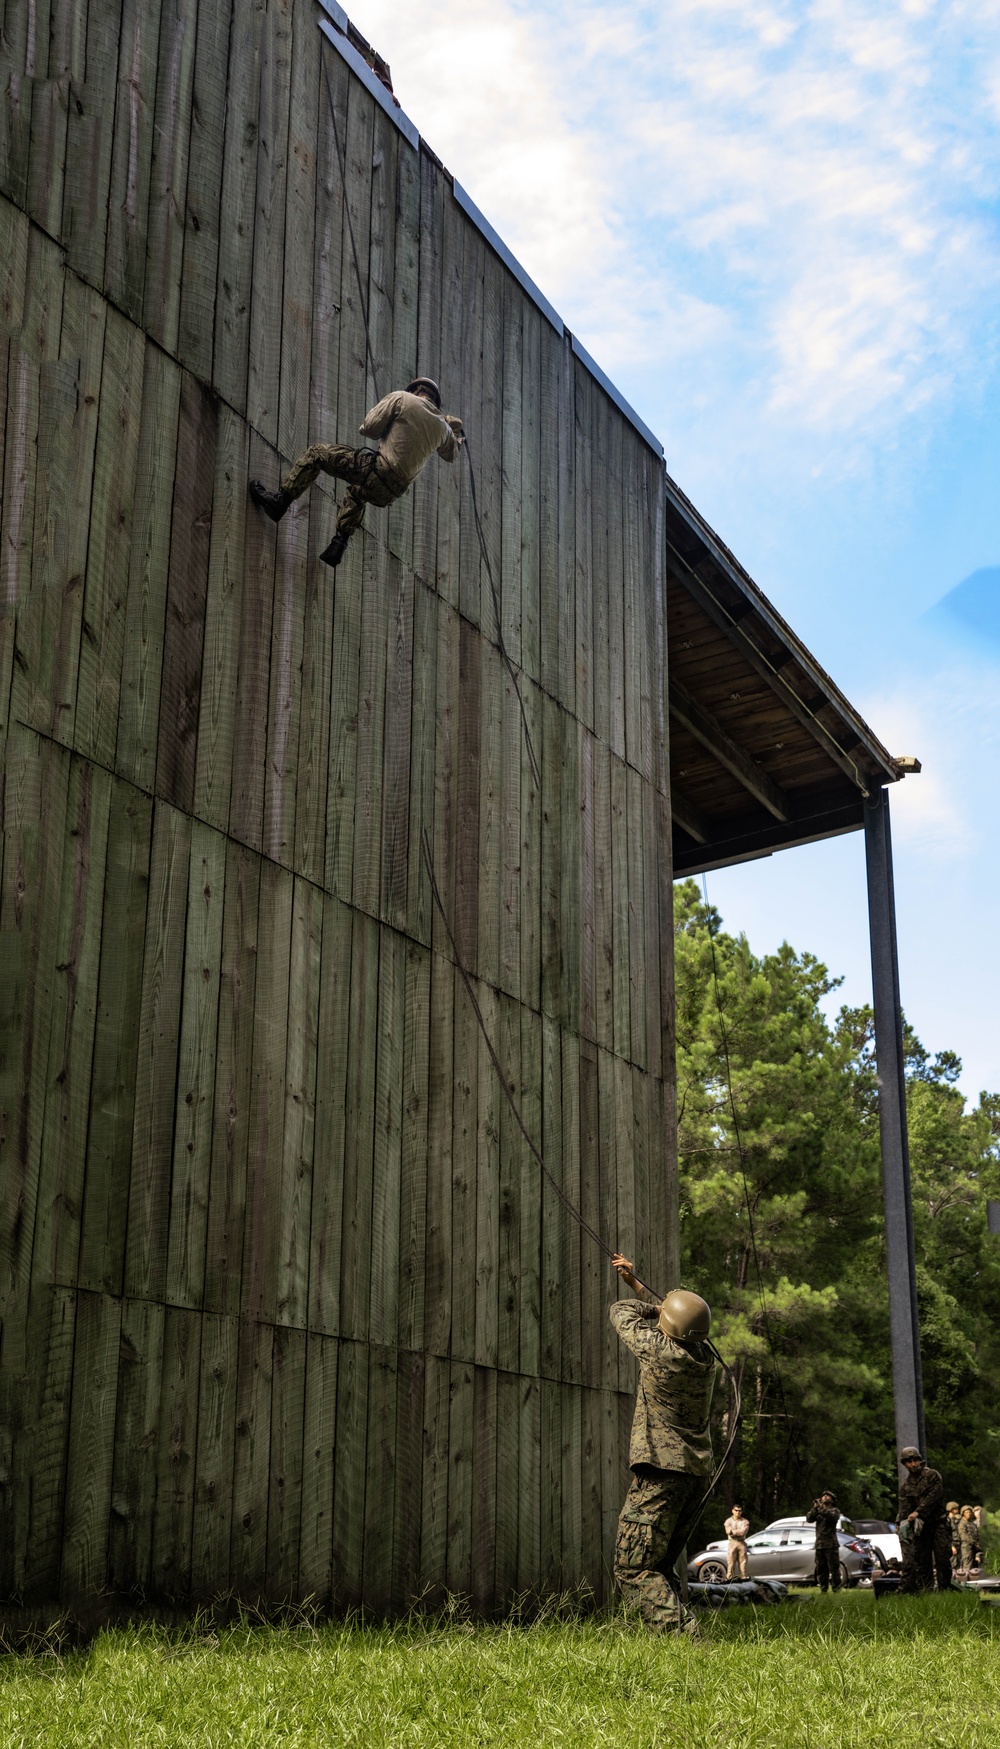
(814, 1672)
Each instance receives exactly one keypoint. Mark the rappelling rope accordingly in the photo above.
(512, 671)
(569, 1206)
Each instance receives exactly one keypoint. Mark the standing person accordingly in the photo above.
(670, 1451)
(824, 1513)
(410, 428)
(970, 1548)
(954, 1517)
(737, 1529)
(924, 1533)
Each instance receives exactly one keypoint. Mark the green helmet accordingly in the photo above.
(685, 1316)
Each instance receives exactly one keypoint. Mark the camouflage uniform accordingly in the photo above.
(826, 1518)
(411, 432)
(922, 1492)
(670, 1453)
(952, 1521)
(968, 1543)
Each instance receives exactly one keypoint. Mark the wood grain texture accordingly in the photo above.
(288, 1307)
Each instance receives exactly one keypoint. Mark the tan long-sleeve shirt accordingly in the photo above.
(410, 431)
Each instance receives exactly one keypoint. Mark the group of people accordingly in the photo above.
(670, 1455)
(935, 1541)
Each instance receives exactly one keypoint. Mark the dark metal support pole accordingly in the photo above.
(907, 1383)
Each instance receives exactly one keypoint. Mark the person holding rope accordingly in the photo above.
(670, 1451)
(410, 428)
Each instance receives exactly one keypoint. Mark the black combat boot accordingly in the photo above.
(336, 550)
(273, 504)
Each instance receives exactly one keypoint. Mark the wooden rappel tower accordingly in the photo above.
(287, 1309)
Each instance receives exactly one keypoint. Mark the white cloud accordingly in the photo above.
(803, 183)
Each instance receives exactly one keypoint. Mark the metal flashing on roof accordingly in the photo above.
(359, 65)
(497, 243)
(619, 399)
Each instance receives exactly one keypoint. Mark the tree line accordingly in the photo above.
(782, 1231)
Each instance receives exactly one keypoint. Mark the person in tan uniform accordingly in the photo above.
(737, 1529)
(410, 428)
(670, 1450)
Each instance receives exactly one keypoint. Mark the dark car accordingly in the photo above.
(787, 1551)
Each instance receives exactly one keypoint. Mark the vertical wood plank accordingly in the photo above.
(190, 1177)
(359, 1143)
(334, 1030)
(274, 774)
(213, 1492)
(156, 1065)
(262, 1232)
(231, 1114)
(217, 715)
(187, 592)
(318, 1464)
(177, 1435)
(381, 1475)
(91, 1442)
(442, 1083)
(463, 1552)
(116, 1042)
(349, 1476)
(284, 1515)
(252, 584)
(397, 855)
(370, 729)
(251, 1461)
(405, 1583)
(133, 1497)
(300, 220)
(149, 561)
(415, 1164)
(434, 1479)
(239, 199)
(296, 1184)
(76, 948)
(205, 217)
(161, 302)
(105, 593)
(41, 1454)
(464, 1294)
(88, 145)
(266, 285)
(132, 155)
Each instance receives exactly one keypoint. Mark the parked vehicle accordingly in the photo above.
(883, 1537)
(785, 1550)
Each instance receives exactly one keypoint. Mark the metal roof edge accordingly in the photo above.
(510, 261)
(742, 580)
(359, 65)
(616, 396)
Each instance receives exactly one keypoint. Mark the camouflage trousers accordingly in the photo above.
(370, 479)
(927, 1557)
(828, 1567)
(652, 1529)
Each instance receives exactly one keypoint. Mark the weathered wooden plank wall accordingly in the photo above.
(286, 1307)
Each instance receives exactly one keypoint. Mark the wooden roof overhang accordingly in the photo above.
(765, 751)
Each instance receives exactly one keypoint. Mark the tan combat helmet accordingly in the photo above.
(684, 1316)
(952, 1506)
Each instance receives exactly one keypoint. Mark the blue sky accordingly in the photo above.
(777, 227)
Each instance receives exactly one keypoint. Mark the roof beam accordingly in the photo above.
(709, 731)
(687, 815)
(737, 629)
(731, 845)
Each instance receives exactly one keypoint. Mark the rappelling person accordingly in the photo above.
(670, 1451)
(924, 1532)
(824, 1513)
(410, 427)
